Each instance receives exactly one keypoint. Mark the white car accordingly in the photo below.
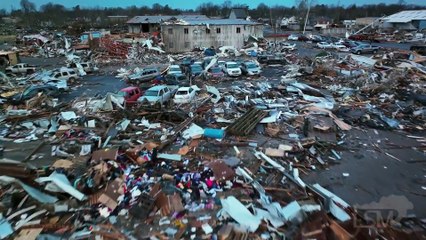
(232, 69)
(340, 47)
(61, 85)
(184, 95)
(293, 37)
(221, 63)
(65, 74)
(288, 46)
(250, 68)
(324, 45)
(174, 69)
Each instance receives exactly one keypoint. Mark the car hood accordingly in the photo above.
(148, 99)
(233, 69)
(253, 69)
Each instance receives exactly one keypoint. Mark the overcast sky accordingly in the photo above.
(185, 4)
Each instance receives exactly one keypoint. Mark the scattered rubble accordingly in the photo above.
(227, 165)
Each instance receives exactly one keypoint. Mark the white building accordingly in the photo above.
(406, 20)
(150, 24)
(185, 35)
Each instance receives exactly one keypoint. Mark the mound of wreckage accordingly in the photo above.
(228, 166)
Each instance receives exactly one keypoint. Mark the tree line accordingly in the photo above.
(61, 16)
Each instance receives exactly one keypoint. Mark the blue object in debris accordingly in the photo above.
(214, 133)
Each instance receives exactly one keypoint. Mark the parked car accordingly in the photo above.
(215, 72)
(22, 68)
(87, 67)
(184, 95)
(145, 75)
(351, 44)
(159, 94)
(61, 85)
(32, 91)
(67, 74)
(303, 38)
(250, 68)
(316, 38)
(195, 70)
(288, 46)
(175, 79)
(324, 45)
(232, 69)
(221, 63)
(174, 69)
(365, 48)
(340, 47)
(293, 37)
(130, 94)
(271, 59)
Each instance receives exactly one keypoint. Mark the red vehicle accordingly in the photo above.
(130, 94)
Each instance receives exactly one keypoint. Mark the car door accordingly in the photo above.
(191, 93)
(166, 94)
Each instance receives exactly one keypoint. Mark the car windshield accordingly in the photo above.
(232, 65)
(196, 68)
(216, 70)
(182, 92)
(181, 77)
(122, 93)
(151, 93)
(175, 69)
(251, 65)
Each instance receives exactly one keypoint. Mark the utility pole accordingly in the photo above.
(274, 25)
(307, 16)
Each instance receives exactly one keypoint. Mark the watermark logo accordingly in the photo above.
(387, 209)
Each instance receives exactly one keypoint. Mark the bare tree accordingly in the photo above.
(27, 6)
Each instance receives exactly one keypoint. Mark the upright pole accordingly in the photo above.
(307, 16)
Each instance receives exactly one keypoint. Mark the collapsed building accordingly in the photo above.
(185, 35)
(151, 24)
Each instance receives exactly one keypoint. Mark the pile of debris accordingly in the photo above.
(229, 169)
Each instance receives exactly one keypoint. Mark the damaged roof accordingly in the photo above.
(211, 22)
(162, 18)
(406, 16)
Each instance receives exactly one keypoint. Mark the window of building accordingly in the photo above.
(187, 44)
(186, 31)
(238, 30)
(217, 30)
(170, 30)
(207, 30)
(170, 44)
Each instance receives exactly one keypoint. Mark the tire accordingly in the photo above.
(71, 79)
(358, 52)
(375, 51)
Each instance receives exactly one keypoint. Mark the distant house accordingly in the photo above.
(151, 24)
(238, 13)
(186, 35)
(406, 20)
(289, 23)
(87, 36)
(118, 19)
(349, 24)
(362, 22)
(10, 20)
